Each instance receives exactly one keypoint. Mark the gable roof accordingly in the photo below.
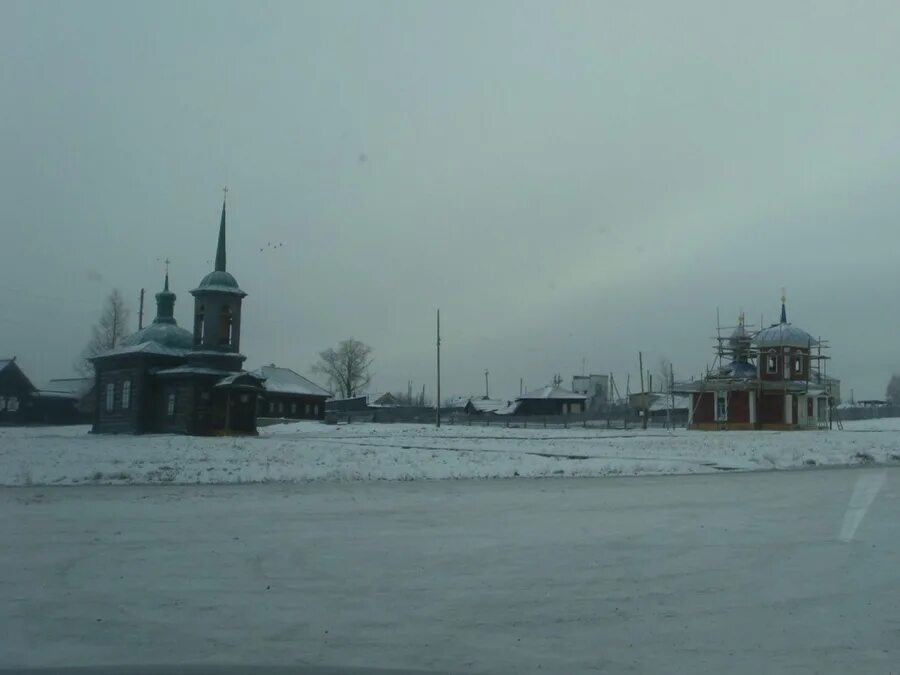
(486, 404)
(286, 381)
(13, 367)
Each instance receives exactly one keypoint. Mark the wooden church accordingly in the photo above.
(165, 379)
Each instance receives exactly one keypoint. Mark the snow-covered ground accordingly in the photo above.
(734, 573)
(312, 451)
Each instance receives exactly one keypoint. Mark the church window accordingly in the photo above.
(126, 394)
(798, 363)
(200, 323)
(12, 404)
(170, 407)
(226, 326)
(2, 403)
(110, 397)
(307, 409)
(293, 409)
(316, 410)
(721, 406)
(771, 362)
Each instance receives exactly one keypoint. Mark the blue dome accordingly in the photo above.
(784, 335)
(166, 334)
(220, 281)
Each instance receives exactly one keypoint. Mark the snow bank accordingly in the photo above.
(307, 451)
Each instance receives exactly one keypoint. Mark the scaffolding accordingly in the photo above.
(739, 362)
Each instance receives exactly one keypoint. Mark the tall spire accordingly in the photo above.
(165, 302)
(783, 309)
(220, 249)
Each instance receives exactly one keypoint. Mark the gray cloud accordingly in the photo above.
(565, 182)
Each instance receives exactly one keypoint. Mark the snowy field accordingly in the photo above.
(310, 451)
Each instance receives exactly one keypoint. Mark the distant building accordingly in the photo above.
(483, 406)
(386, 400)
(594, 387)
(23, 403)
(81, 389)
(289, 394)
(166, 379)
(549, 400)
(352, 404)
(16, 391)
(770, 379)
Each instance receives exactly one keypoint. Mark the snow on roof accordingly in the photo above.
(552, 392)
(784, 335)
(234, 377)
(149, 347)
(487, 404)
(286, 381)
(509, 409)
(43, 393)
(193, 370)
(5, 362)
(77, 386)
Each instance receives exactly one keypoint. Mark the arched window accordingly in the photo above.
(226, 326)
(200, 323)
(771, 362)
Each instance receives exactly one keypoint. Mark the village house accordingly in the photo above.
(550, 400)
(21, 402)
(290, 395)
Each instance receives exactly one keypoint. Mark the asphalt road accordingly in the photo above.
(741, 573)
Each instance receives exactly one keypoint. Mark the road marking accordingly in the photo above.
(864, 493)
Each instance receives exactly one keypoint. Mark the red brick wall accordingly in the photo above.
(703, 407)
(770, 408)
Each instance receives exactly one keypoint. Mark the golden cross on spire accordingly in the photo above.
(167, 261)
(783, 295)
(225, 193)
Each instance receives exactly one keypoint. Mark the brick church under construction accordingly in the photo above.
(773, 378)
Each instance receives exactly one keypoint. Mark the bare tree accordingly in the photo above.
(346, 367)
(107, 333)
(892, 393)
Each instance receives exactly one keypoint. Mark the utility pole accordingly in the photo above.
(141, 311)
(672, 391)
(437, 406)
(487, 390)
(643, 391)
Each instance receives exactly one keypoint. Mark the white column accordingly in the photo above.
(788, 418)
(751, 395)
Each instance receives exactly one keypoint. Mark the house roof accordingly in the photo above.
(551, 391)
(486, 404)
(77, 386)
(147, 347)
(14, 367)
(194, 370)
(286, 381)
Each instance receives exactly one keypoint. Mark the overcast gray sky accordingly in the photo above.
(567, 181)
